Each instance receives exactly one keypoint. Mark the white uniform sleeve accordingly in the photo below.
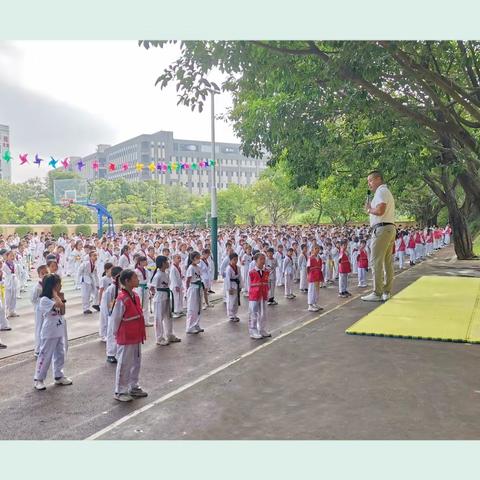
(117, 315)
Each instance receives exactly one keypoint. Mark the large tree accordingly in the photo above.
(370, 98)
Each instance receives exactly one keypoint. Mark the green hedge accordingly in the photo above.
(127, 227)
(23, 230)
(83, 230)
(59, 230)
(146, 228)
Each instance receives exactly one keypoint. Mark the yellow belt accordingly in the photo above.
(2, 291)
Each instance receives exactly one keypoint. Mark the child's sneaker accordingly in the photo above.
(173, 339)
(163, 342)
(123, 397)
(63, 381)
(39, 385)
(311, 308)
(138, 392)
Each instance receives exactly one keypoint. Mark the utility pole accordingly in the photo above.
(213, 190)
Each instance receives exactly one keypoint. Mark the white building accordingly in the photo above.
(5, 167)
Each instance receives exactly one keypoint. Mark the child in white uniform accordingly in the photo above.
(108, 302)
(194, 286)
(53, 335)
(105, 282)
(35, 300)
(232, 285)
(176, 284)
(4, 323)
(10, 278)
(142, 291)
(162, 302)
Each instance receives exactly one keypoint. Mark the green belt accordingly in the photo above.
(170, 296)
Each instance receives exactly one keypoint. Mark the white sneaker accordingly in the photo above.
(386, 296)
(176, 315)
(39, 385)
(255, 335)
(265, 334)
(63, 381)
(173, 339)
(163, 342)
(372, 297)
(103, 339)
(317, 307)
(311, 308)
(123, 397)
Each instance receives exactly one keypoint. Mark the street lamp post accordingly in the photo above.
(213, 189)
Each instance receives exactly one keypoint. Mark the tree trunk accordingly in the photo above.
(462, 236)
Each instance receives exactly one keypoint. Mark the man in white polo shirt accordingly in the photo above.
(382, 218)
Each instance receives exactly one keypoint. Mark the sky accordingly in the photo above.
(63, 98)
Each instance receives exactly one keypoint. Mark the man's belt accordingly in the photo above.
(170, 296)
(382, 224)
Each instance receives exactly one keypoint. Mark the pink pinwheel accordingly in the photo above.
(95, 165)
(23, 158)
(65, 163)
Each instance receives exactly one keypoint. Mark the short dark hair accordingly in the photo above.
(376, 173)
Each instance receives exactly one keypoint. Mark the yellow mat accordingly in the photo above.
(431, 308)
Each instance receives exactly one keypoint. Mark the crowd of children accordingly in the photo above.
(147, 278)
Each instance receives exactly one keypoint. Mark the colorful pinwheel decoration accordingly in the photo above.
(95, 165)
(111, 167)
(151, 167)
(38, 160)
(65, 163)
(125, 167)
(23, 158)
(53, 162)
(139, 167)
(80, 165)
(7, 155)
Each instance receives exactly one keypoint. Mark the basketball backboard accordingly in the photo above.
(72, 190)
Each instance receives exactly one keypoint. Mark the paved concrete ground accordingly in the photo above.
(308, 382)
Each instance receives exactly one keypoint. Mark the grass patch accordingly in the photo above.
(476, 246)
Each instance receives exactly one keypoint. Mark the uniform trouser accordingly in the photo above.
(313, 292)
(102, 331)
(4, 323)
(335, 268)
(257, 321)
(11, 298)
(178, 300)
(194, 304)
(288, 284)
(38, 328)
(129, 359)
(143, 294)
(272, 283)
(50, 349)
(232, 304)
(343, 282)
(411, 254)
(401, 259)
(279, 275)
(163, 318)
(89, 294)
(362, 276)
(303, 279)
(111, 347)
(382, 246)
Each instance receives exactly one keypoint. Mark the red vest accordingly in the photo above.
(132, 326)
(418, 239)
(401, 246)
(411, 242)
(362, 259)
(344, 264)
(258, 285)
(315, 270)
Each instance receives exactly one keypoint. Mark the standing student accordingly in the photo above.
(279, 256)
(232, 283)
(245, 260)
(53, 335)
(315, 279)
(271, 265)
(401, 251)
(89, 282)
(11, 284)
(411, 249)
(194, 286)
(344, 269)
(37, 289)
(288, 268)
(142, 290)
(105, 282)
(257, 300)
(109, 298)
(76, 260)
(362, 263)
(130, 333)
(176, 284)
(125, 261)
(162, 303)
(302, 267)
(207, 277)
(4, 323)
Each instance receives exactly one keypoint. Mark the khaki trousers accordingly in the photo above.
(382, 246)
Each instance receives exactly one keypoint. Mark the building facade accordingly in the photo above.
(5, 167)
(231, 165)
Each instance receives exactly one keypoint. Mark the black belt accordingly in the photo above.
(237, 281)
(170, 297)
(383, 224)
